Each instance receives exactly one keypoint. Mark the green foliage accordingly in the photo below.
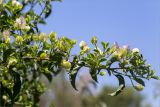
(26, 54)
(127, 99)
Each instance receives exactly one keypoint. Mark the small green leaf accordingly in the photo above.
(93, 74)
(140, 81)
(73, 75)
(7, 53)
(155, 77)
(73, 79)
(17, 84)
(105, 45)
(8, 91)
(121, 86)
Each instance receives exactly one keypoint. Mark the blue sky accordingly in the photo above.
(133, 22)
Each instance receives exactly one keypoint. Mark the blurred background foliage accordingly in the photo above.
(61, 94)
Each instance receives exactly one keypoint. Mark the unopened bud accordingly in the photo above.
(102, 73)
(52, 36)
(43, 37)
(43, 55)
(19, 39)
(139, 87)
(94, 40)
(66, 64)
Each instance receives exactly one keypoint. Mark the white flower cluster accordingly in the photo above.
(21, 23)
(6, 34)
(85, 48)
(120, 52)
(16, 3)
(135, 50)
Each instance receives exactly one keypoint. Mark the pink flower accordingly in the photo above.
(126, 47)
(116, 45)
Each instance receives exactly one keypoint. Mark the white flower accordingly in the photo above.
(135, 50)
(86, 49)
(126, 46)
(16, 3)
(6, 33)
(20, 22)
(82, 44)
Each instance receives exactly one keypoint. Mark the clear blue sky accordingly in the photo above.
(133, 22)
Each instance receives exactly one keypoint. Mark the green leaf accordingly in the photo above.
(155, 77)
(139, 80)
(48, 9)
(121, 86)
(7, 53)
(17, 84)
(105, 45)
(73, 79)
(103, 59)
(8, 91)
(93, 73)
(73, 75)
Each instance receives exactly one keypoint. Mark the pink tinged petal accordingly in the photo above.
(116, 44)
(126, 47)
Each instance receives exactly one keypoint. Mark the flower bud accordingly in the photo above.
(94, 40)
(27, 28)
(73, 42)
(52, 36)
(66, 64)
(19, 39)
(35, 37)
(43, 37)
(135, 50)
(43, 55)
(139, 87)
(102, 73)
